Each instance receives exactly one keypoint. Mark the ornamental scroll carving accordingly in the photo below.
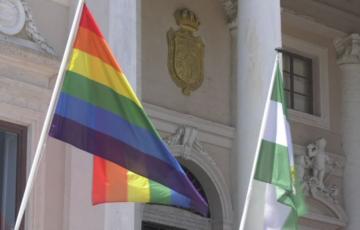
(186, 52)
(15, 16)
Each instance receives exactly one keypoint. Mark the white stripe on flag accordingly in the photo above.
(275, 129)
(276, 213)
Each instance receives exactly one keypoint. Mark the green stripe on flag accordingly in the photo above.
(291, 222)
(273, 165)
(105, 98)
(159, 193)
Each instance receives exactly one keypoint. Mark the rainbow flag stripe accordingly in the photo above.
(114, 183)
(98, 112)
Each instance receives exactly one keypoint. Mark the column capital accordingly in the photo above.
(348, 49)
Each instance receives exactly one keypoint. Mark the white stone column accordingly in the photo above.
(348, 52)
(259, 33)
(124, 39)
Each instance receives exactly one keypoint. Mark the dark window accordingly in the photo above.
(12, 171)
(154, 226)
(196, 183)
(298, 82)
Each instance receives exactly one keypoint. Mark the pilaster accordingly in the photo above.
(348, 58)
(254, 64)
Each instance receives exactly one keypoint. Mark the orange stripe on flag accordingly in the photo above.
(110, 182)
(117, 182)
(92, 44)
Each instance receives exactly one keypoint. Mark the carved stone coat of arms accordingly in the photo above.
(186, 52)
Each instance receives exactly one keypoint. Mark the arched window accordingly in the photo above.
(149, 225)
(196, 184)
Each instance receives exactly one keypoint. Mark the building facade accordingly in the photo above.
(203, 74)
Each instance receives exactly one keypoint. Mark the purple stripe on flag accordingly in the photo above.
(113, 125)
(128, 157)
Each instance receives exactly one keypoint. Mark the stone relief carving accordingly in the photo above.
(186, 52)
(314, 169)
(187, 138)
(15, 15)
(12, 16)
(319, 159)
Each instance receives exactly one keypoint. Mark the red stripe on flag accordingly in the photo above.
(91, 43)
(87, 21)
(99, 180)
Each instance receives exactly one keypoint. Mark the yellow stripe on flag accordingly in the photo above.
(95, 69)
(138, 188)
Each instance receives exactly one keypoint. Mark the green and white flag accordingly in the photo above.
(284, 201)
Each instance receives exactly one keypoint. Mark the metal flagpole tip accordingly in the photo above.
(279, 49)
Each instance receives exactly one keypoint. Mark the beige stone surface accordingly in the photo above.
(303, 134)
(212, 100)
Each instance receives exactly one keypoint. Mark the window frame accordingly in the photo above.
(21, 132)
(292, 92)
(320, 117)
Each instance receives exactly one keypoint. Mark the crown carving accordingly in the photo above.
(187, 19)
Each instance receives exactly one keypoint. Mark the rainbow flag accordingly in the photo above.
(98, 112)
(113, 183)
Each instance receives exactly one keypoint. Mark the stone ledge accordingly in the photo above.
(24, 61)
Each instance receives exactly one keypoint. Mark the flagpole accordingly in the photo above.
(261, 133)
(49, 115)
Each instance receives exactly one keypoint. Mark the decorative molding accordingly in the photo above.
(324, 13)
(304, 22)
(230, 9)
(187, 138)
(209, 132)
(175, 217)
(33, 33)
(348, 49)
(21, 61)
(12, 17)
(185, 143)
(320, 55)
(323, 219)
(315, 166)
(206, 163)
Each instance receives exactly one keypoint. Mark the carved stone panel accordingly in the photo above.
(319, 173)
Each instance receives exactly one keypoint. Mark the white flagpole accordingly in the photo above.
(49, 115)
(261, 134)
